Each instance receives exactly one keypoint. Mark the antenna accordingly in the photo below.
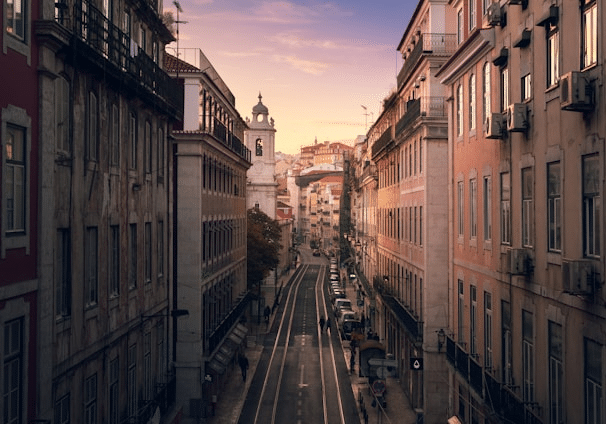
(179, 9)
(366, 117)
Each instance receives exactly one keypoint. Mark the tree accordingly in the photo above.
(263, 242)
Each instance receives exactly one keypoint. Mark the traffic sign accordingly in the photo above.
(378, 387)
(416, 364)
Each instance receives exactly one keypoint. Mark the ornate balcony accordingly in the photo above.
(436, 45)
(426, 106)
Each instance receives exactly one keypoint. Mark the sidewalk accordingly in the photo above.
(231, 400)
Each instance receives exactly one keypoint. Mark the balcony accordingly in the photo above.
(406, 317)
(101, 47)
(426, 106)
(429, 45)
(382, 142)
(220, 132)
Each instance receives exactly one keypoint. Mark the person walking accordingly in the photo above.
(327, 324)
(322, 322)
(243, 362)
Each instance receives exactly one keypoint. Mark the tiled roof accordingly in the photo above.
(171, 63)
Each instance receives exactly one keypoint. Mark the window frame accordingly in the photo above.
(92, 126)
(527, 195)
(20, 44)
(589, 33)
(91, 267)
(473, 208)
(472, 102)
(554, 207)
(505, 208)
(552, 56)
(591, 208)
(487, 207)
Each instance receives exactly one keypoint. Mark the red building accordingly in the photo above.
(18, 211)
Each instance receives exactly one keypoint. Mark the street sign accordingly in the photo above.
(378, 362)
(378, 387)
(416, 364)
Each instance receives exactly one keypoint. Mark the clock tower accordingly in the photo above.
(261, 180)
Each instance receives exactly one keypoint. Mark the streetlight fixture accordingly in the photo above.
(441, 339)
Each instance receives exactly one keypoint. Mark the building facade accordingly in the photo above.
(409, 147)
(525, 339)
(211, 162)
(19, 213)
(105, 239)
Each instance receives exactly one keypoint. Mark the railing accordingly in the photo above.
(382, 141)
(228, 322)
(428, 106)
(428, 45)
(107, 44)
(369, 171)
(406, 317)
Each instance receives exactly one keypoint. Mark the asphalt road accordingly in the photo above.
(302, 376)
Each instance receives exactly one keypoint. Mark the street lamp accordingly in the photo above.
(441, 338)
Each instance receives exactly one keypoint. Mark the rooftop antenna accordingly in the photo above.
(179, 9)
(365, 117)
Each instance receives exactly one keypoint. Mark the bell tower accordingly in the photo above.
(261, 181)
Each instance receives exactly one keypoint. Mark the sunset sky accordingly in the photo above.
(315, 63)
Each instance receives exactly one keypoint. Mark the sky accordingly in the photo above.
(317, 64)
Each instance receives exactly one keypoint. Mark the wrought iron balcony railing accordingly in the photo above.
(429, 44)
(426, 106)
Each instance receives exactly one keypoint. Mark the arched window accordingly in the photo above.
(259, 147)
(472, 102)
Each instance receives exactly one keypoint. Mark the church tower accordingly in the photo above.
(261, 181)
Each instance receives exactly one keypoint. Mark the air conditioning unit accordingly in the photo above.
(493, 127)
(578, 276)
(494, 14)
(576, 92)
(517, 117)
(519, 262)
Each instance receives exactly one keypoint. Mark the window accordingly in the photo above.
(114, 135)
(526, 87)
(593, 382)
(473, 311)
(486, 91)
(420, 156)
(527, 207)
(460, 110)
(527, 357)
(160, 248)
(461, 208)
(160, 372)
(16, 15)
(132, 132)
(148, 252)
(420, 225)
(553, 55)
(504, 89)
(487, 330)
(505, 209)
(12, 393)
(259, 147)
(143, 39)
(62, 410)
(460, 26)
(554, 206)
(90, 400)
(92, 119)
(91, 266)
(472, 15)
(473, 208)
(487, 208)
(506, 352)
(461, 311)
(114, 260)
(15, 179)
(590, 32)
(472, 101)
(161, 156)
(485, 5)
(132, 381)
(591, 205)
(132, 256)
(62, 115)
(148, 148)
(556, 374)
(147, 368)
(114, 391)
(64, 273)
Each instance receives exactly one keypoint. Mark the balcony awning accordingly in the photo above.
(220, 359)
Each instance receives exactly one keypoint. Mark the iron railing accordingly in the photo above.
(426, 106)
(429, 44)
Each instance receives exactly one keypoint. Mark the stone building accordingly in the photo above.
(525, 340)
(105, 217)
(211, 161)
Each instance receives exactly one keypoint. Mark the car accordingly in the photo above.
(316, 252)
(341, 304)
(347, 315)
(348, 326)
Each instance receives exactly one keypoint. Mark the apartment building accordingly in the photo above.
(525, 338)
(211, 161)
(105, 211)
(408, 144)
(19, 213)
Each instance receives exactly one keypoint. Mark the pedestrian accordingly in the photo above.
(243, 362)
(327, 324)
(352, 361)
(322, 322)
(266, 313)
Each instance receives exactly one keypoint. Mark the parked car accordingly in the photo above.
(348, 326)
(342, 304)
(316, 252)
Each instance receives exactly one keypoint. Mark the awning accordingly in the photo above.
(227, 349)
